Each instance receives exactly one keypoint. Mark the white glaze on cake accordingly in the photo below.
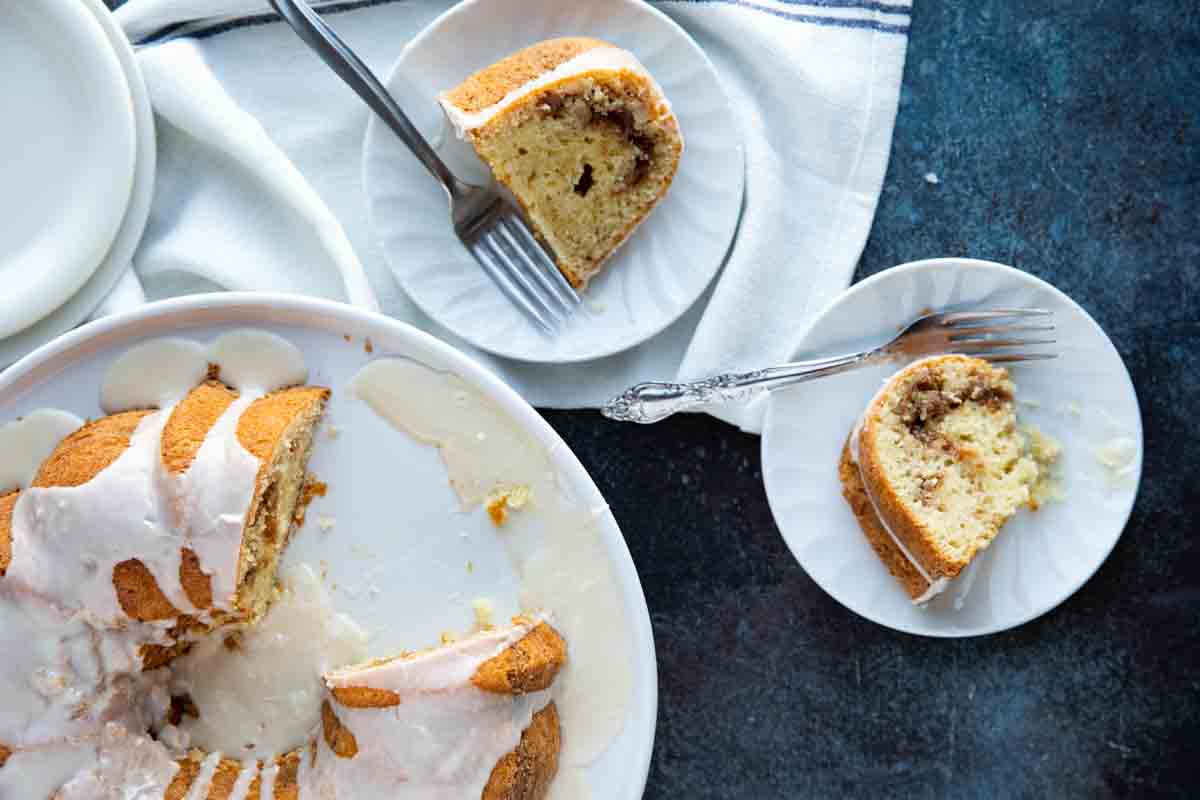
(263, 697)
(936, 585)
(598, 59)
(58, 553)
(556, 548)
(27, 442)
(159, 372)
(444, 737)
(76, 700)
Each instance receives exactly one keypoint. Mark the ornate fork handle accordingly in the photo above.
(651, 402)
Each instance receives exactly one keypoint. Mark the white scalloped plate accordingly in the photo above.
(70, 135)
(116, 260)
(395, 557)
(652, 279)
(1084, 399)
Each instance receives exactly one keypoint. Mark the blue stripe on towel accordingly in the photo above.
(895, 7)
(815, 19)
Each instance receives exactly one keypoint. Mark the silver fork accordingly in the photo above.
(989, 335)
(485, 220)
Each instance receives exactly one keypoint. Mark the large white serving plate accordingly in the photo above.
(396, 557)
(68, 136)
(652, 279)
(1084, 398)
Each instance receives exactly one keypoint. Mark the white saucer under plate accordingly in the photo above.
(69, 151)
(1084, 399)
(655, 276)
(109, 266)
(396, 517)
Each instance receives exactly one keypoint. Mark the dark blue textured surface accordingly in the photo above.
(1067, 143)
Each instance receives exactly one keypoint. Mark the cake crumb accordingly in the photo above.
(368, 346)
(1045, 451)
(333, 431)
(502, 500)
(932, 178)
(313, 488)
(448, 637)
(484, 611)
(326, 524)
(1117, 456)
(346, 336)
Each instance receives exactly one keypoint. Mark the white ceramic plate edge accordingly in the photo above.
(117, 259)
(74, 258)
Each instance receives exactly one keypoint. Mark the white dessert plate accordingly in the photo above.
(109, 267)
(652, 279)
(1084, 399)
(401, 559)
(69, 143)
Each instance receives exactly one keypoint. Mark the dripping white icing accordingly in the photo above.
(128, 766)
(561, 560)
(57, 553)
(941, 583)
(153, 374)
(27, 442)
(262, 698)
(212, 497)
(445, 736)
(203, 779)
(159, 372)
(598, 58)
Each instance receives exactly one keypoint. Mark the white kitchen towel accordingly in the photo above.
(259, 188)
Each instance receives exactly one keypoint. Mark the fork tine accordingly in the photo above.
(502, 279)
(967, 333)
(548, 287)
(548, 267)
(976, 345)
(1012, 358)
(953, 318)
(510, 260)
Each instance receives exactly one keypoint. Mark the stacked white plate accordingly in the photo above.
(77, 148)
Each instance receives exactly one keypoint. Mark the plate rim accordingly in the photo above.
(80, 24)
(264, 304)
(961, 262)
(137, 213)
(375, 128)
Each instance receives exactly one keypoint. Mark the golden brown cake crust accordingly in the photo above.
(189, 768)
(339, 738)
(892, 557)
(5, 752)
(890, 508)
(529, 665)
(86, 452)
(526, 772)
(190, 422)
(365, 697)
(264, 421)
(490, 85)
(7, 502)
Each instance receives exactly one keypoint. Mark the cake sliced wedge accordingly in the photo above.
(582, 136)
(935, 467)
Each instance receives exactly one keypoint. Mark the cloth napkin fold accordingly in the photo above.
(258, 183)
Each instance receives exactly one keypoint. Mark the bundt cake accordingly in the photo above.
(147, 529)
(935, 467)
(581, 135)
